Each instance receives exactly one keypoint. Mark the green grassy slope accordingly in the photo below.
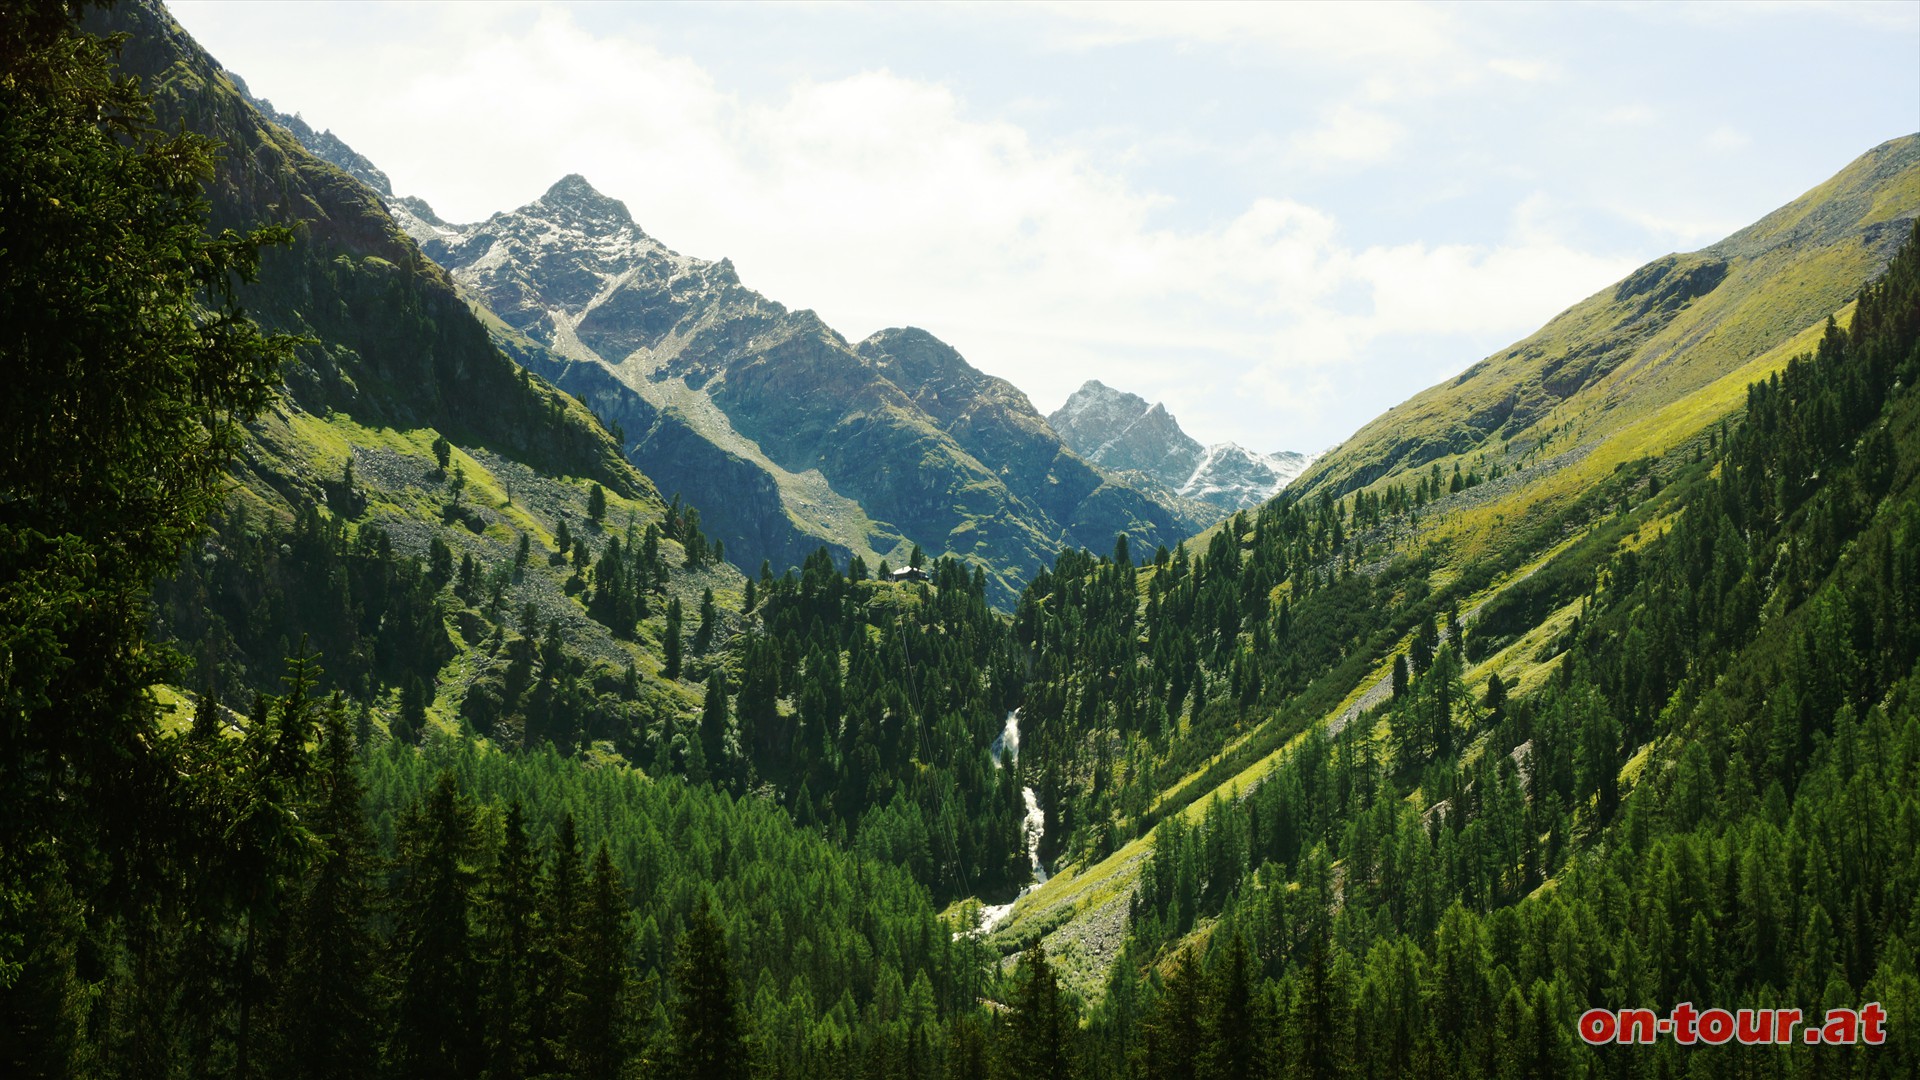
(1693, 328)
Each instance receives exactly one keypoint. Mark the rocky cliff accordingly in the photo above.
(1120, 431)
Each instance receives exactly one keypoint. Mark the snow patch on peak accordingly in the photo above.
(1230, 473)
(418, 221)
(1122, 431)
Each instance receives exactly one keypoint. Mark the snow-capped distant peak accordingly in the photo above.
(1122, 431)
(1240, 475)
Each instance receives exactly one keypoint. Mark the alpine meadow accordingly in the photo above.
(517, 649)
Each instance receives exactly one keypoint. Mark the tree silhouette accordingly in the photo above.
(708, 1041)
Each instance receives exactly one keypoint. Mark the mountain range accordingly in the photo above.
(868, 448)
(1121, 432)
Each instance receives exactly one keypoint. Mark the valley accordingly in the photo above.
(518, 648)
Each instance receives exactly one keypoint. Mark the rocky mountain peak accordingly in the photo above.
(1098, 396)
(1121, 431)
(910, 356)
(572, 200)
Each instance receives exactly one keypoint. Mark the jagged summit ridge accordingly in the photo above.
(1120, 430)
(548, 268)
(324, 145)
(578, 203)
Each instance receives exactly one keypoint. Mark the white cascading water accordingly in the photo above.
(1032, 827)
(1007, 743)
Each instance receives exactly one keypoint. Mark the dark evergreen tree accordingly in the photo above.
(709, 617)
(714, 723)
(1170, 1034)
(670, 643)
(326, 1006)
(708, 1037)
(1233, 1036)
(600, 1036)
(557, 956)
(1037, 1032)
(509, 921)
(436, 1010)
(132, 369)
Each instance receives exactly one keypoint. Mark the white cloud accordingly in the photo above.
(1681, 233)
(879, 199)
(1318, 31)
(1349, 136)
(1523, 70)
(1727, 138)
(1460, 289)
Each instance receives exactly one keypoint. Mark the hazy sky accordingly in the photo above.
(1279, 219)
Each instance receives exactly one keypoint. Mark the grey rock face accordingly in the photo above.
(1120, 431)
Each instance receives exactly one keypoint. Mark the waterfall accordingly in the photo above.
(1007, 743)
(1006, 747)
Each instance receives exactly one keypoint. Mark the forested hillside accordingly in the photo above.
(1705, 801)
(1294, 619)
(459, 542)
(896, 694)
(1699, 787)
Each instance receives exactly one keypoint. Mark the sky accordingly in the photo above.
(1279, 219)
